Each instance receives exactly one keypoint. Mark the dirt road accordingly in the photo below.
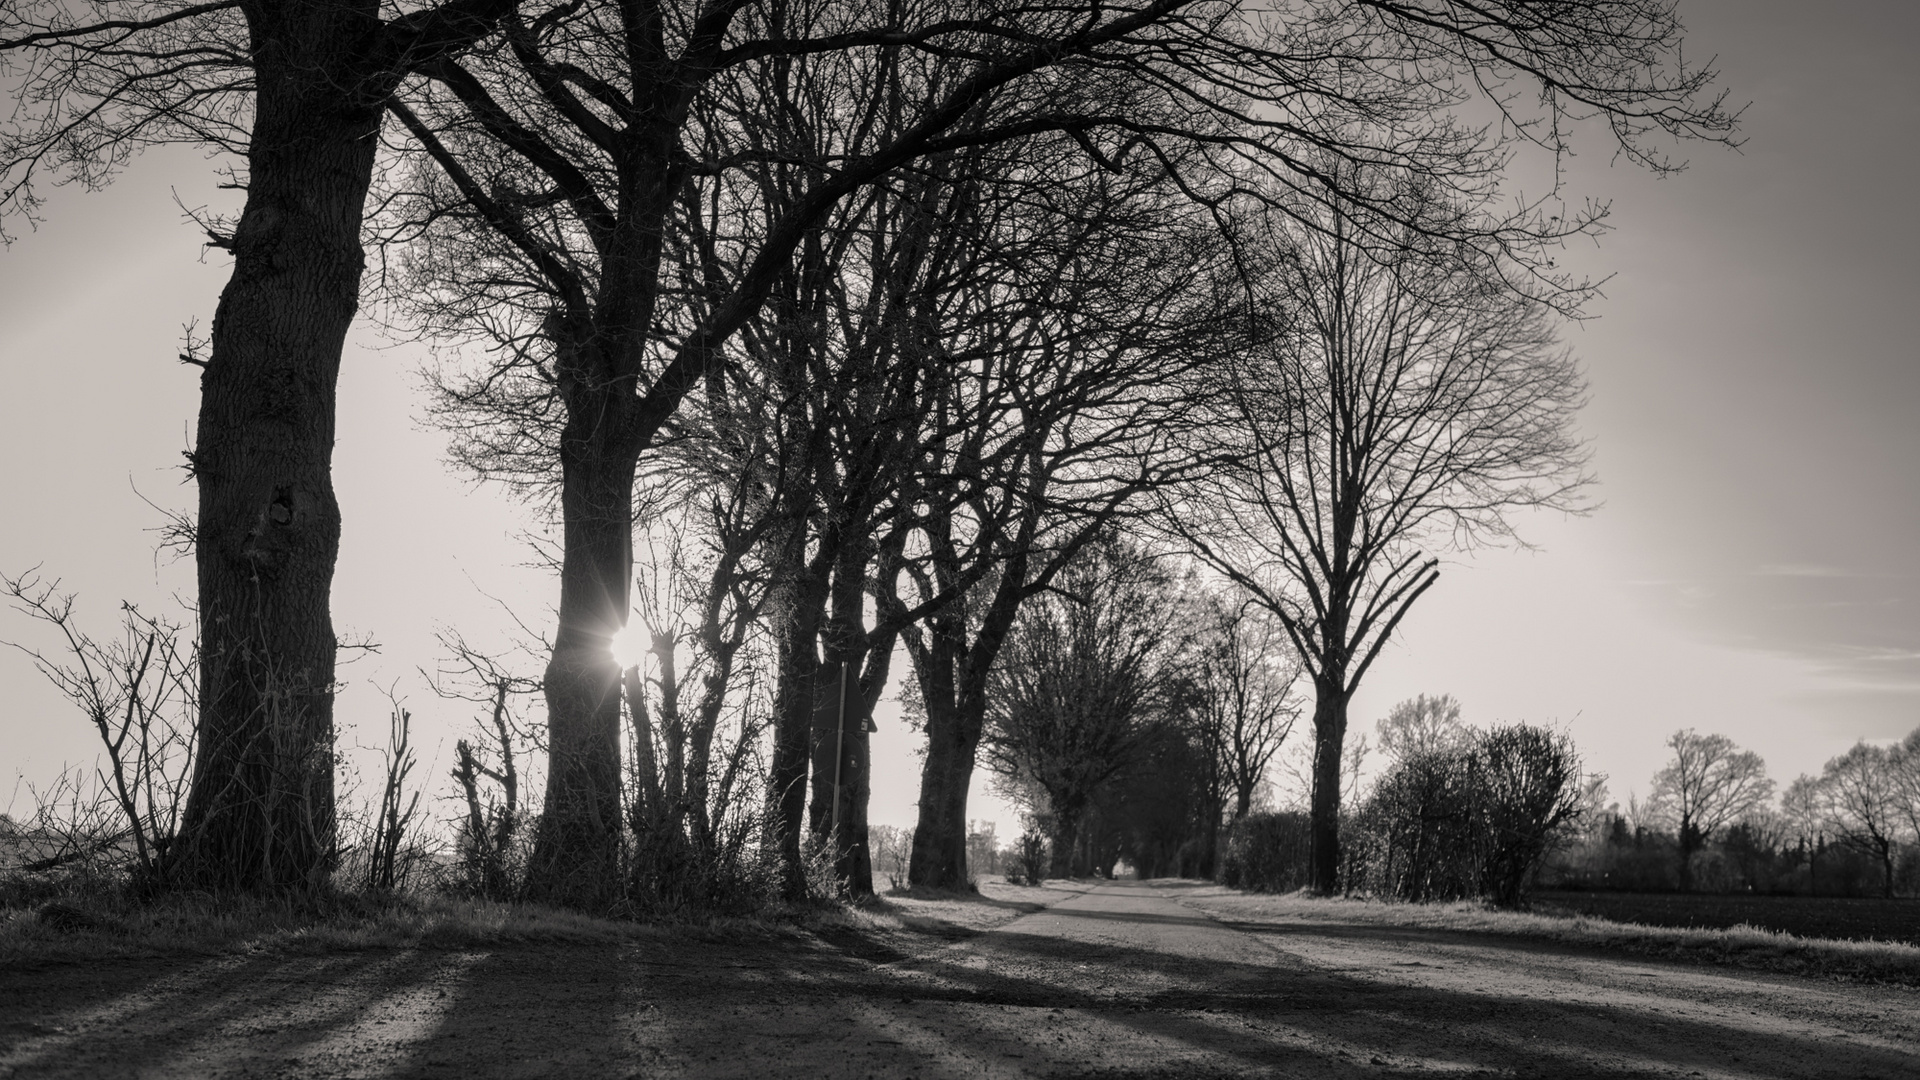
(1119, 980)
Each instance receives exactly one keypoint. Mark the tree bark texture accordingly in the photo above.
(1069, 857)
(850, 739)
(576, 858)
(260, 815)
(1329, 735)
(940, 836)
(796, 633)
(953, 681)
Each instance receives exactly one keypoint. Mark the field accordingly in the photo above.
(1803, 916)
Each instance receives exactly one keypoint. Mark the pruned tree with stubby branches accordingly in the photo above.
(1405, 399)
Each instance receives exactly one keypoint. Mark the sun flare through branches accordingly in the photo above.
(629, 645)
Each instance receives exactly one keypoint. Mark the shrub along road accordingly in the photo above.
(1117, 979)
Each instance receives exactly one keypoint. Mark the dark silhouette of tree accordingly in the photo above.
(577, 142)
(1859, 799)
(291, 93)
(1406, 397)
(1904, 759)
(1708, 784)
(1245, 671)
(1240, 712)
(1065, 363)
(1089, 666)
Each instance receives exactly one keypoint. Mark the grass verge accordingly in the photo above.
(1743, 946)
(205, 925)
(99, 923)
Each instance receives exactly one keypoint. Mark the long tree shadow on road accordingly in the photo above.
(1010, 1003)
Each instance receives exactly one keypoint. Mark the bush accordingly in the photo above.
(1473, 820)
(1267, 852)
(1422, 827)
(731, 873)
(1029, 859)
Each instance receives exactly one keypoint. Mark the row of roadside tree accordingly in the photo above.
(825, 331)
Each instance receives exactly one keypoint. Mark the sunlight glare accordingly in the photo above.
(629, 645)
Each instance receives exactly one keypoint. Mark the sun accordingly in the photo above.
(629, 645)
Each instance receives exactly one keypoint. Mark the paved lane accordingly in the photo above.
(1121, 980)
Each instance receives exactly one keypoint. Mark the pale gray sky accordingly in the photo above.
(1754, 377)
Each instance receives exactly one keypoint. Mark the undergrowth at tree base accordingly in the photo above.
(97, 924)
(78, 918)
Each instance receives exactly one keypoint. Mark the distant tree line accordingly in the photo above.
(1712, 824)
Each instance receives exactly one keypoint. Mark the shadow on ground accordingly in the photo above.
(1089, 996)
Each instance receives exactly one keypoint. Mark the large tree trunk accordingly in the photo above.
(849, 685)
(953, 680)
(576, 859)
(1065, 860)
(1329, 735)
(260, 815)
(827, 742)
(952, 693)
(796, 632)
(845, 833)
(940, 835)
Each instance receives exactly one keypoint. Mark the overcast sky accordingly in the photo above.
(1754, 378)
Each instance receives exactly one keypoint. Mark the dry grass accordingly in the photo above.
(1740, 946)
(198, 924)
(204, 925)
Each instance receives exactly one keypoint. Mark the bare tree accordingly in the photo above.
(695, 705)
(1709, 783)
(1421, 725)
(1405, 399)
(1903, 758)
(1244, 675)
(1087, 668)
(576, 143)
(138, 693)
(290, 93)
(487, 841)
(1860, 800)
(1800, 806)
(1062, 384)
(389, 856)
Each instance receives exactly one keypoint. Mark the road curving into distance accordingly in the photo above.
(1120, 979)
